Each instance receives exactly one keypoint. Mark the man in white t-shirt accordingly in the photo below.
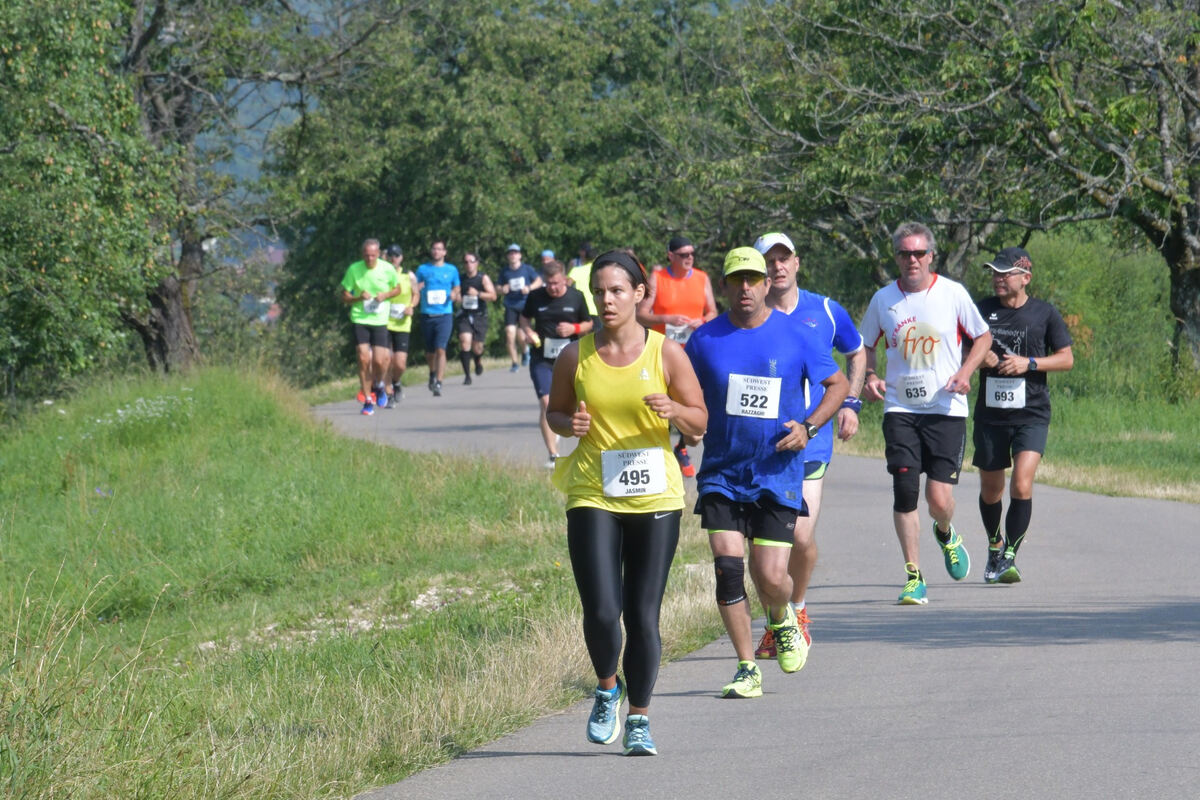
(922, 318)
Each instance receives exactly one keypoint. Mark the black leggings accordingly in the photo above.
(621, 563)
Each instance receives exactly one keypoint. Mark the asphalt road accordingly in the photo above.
(1079, 682)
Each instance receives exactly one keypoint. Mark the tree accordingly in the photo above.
(210, 77)
(990, 120)
(82, 198)
(484, 124)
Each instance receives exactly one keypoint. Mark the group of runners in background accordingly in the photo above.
(621, 356)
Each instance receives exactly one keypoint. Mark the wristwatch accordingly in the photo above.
(812, 430)
(1033, 365)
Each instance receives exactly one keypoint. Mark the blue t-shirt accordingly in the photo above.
(435, 294)
(515, 299)
(753, 382)
(834, 328)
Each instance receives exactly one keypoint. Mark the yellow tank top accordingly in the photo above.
(405, 299)
(625, 463)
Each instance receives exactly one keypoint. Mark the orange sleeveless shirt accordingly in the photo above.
(678, 295)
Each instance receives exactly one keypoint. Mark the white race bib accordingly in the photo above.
(633, 473)
(435, 297)
(1004, 392)
(551, 347)
(679, 333)
(397, 311)
(471, 302)
(917, 389)
(753, 396)
(516, 284)
(370, 306)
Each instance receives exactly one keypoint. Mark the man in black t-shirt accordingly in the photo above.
(555, 315)
(1012, 409)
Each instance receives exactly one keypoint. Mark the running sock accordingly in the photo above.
(798, 607)
(1016, 523)
(466, 362)
(991, 513)
(478, 360)
(942, 536)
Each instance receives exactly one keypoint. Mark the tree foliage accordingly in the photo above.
(82, 195)
(989, 120)
(487, 124)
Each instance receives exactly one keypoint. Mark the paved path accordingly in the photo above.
(1081, 682)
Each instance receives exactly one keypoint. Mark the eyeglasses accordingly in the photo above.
(912, 253)
(749, 278)
(677, 254)
(471, 261)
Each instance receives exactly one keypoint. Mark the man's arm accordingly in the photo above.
(710, 302)
(847, 415)
(489, 290)
(960, 382)
(836, 389)
(874, 387)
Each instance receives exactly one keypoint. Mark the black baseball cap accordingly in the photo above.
(1009, 259)
(677, 242)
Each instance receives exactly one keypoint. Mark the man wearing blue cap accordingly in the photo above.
(515, 282)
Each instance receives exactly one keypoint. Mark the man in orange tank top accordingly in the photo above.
(679, 299)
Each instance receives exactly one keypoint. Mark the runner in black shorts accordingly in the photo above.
(554, 316)
(921, 318)
(472, 321)
(1012, 410)
(752, 363)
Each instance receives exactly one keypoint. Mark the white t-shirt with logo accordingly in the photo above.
(924, 333)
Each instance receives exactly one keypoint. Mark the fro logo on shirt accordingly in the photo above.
(919, 344)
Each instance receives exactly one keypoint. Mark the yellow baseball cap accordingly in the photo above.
(744, 259)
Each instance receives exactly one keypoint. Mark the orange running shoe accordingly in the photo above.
(766, 645)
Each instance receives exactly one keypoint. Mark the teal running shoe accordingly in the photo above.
(914, 590)
(747, 681)
(958, 563)
(604, 723)
(637, 736)
(791, 649)
(1006, 571)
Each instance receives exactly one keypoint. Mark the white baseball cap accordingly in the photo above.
(769, 240)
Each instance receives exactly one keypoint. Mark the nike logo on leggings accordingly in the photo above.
(662, 516)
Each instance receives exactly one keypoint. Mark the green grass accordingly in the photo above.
(206, 594)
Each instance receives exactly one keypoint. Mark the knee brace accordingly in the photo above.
(906, 489)
(730, 586)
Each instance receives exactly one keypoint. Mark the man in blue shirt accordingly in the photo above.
(832, 327)
(514, 283)
(437, 284)
(753, 363)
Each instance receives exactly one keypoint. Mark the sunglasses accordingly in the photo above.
(683, 255)
(750, 278)
(913, 253)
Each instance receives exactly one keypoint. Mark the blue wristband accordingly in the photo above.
(853, 403)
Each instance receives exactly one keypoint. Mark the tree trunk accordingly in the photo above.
(1185, 306)
(166, 330)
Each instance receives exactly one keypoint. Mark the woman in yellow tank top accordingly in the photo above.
(619, 390)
